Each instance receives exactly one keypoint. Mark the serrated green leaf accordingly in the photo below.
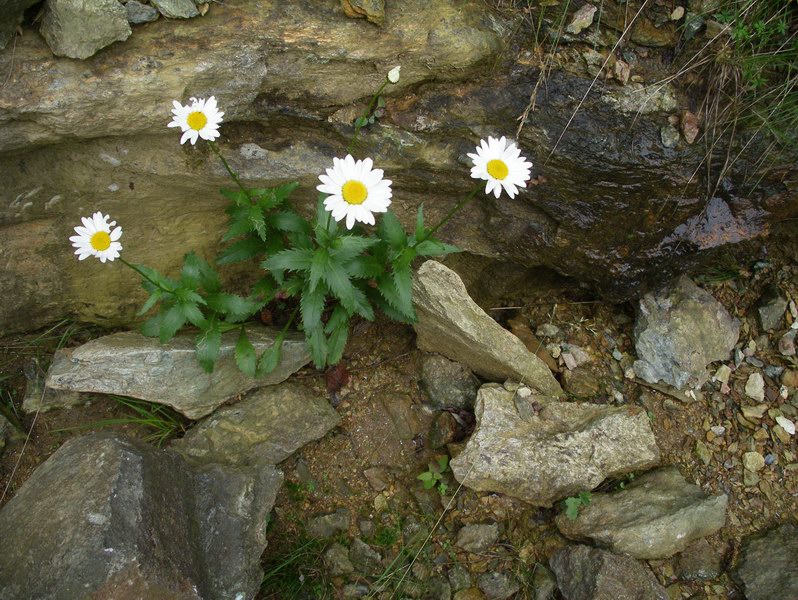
(326, 227)
(347, 247)
(443, 462)
(364, 267)
(246, 358)
(387, 288)
(295, 259)
(282, 192)
(258, 222)
(317, 267)
(198, 273)
(286, 220)
(336, 342)
(193, 314)
(235, 308)
(377, 298)
(403, 282)
(572, 508)
(391, 231)
(249, 247)
(338, 282)
(265, 288)
(362, 305)
(171, 321)
(293, 285)
(155, 276)
(236, 196)
(208, 342)
(239, 223)
(152, 326)
(188, 295)
(317, 344)
(270, 358)
(154, 297)
(311, 305)
(435, 248)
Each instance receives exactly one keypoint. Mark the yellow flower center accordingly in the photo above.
(497, 169)
(354, 192)
(100, 241)
(197, 120)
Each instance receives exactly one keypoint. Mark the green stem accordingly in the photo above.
(365, 115)
(144, 275)
(457, 208)
(233, 174)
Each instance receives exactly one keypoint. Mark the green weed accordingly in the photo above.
(575, 503)
(433, 477)
(295, 571)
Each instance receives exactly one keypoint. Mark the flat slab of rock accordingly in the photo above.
(656, 516)
(452, 324)
(768, 565)
(267, 426)
(130, 364)
(585, 573)
(540, 450)
(78, 29)
(112, 517)
(678, 332)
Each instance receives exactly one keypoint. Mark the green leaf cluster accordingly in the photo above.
(574, 503)
(433, 476)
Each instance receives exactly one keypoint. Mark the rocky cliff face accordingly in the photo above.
(613, 206)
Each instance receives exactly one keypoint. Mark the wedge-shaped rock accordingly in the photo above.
(267, 426)
(540, 450)
(111, 517)
(451, 323)
(78, 29)
(656, 516)
(130, 364)
(585, 573)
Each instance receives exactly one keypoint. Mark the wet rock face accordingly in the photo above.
(678, 332)
(541, 451)
(617, 209)
(132, 521)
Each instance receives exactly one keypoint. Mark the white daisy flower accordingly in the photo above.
(500, 163)
(96, 238)
(200, 119)
(356, 191)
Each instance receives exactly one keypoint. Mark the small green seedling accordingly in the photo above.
(574, 503)
(434, 475)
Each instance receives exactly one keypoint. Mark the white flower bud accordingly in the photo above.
(393, 74)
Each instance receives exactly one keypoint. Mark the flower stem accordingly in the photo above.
(233, 174)
(366, 114)
(457, 208)
(144, 275)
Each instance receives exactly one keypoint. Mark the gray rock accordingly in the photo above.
(678, 332)
(452, 324)
(8, 433)
(447, 382)
(132, 521)
(755, 387)
(669, 136)
(770, 308)
(655, 516)
(364, 559)
(11, 12)
(130, 364)
(541, 450)
(544, 583)
(699, 561)
(585, 573)
(267, 426)
(138, 13)
(459, 578)
(787, 343)
(329, 525)
(78, 29)
(497, 586)
(439, 589)
(768, 564)
(582, 19)
(442, 431)
(336, 559)
(477, 538)
(176, 9)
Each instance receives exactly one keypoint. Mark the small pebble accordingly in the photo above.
(786, 425)
(770, 459)
(755, 387)
(752, 360)
(547, 330)
(677, 13)
(616, 354)
(718, 430)
(753, 461)
(629, 373)
(723, 373)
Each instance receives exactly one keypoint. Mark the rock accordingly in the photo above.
(688, 123)
(447, 383)
(753, 461)
(450, 323)
(477, 538)
(443, 430)
(768, 564)
(497, 586)
(336, 559)
(132, 521)
(790, 378)
(585, 573)
(770, 308)
(364, 559)
(377, 478)
(548, 330)
(407, 421)
(469, 594)
(8, 433)
(459, 578)
(138, 13)
(755, 387)
(439, 589)
(787, 343)
(692, 25)
(703, 452)
(129, 364)
(582, 382)
(11, 13)
(582, 19)
(699, 561)
(655, 516)
(787, 425)
(372, 10)
(176, 9)
(329, 525)
(78, 29)
(678, 332)
(677, 13)
(544, 583)
(669, 136)
(541, 451)
(267, 426)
